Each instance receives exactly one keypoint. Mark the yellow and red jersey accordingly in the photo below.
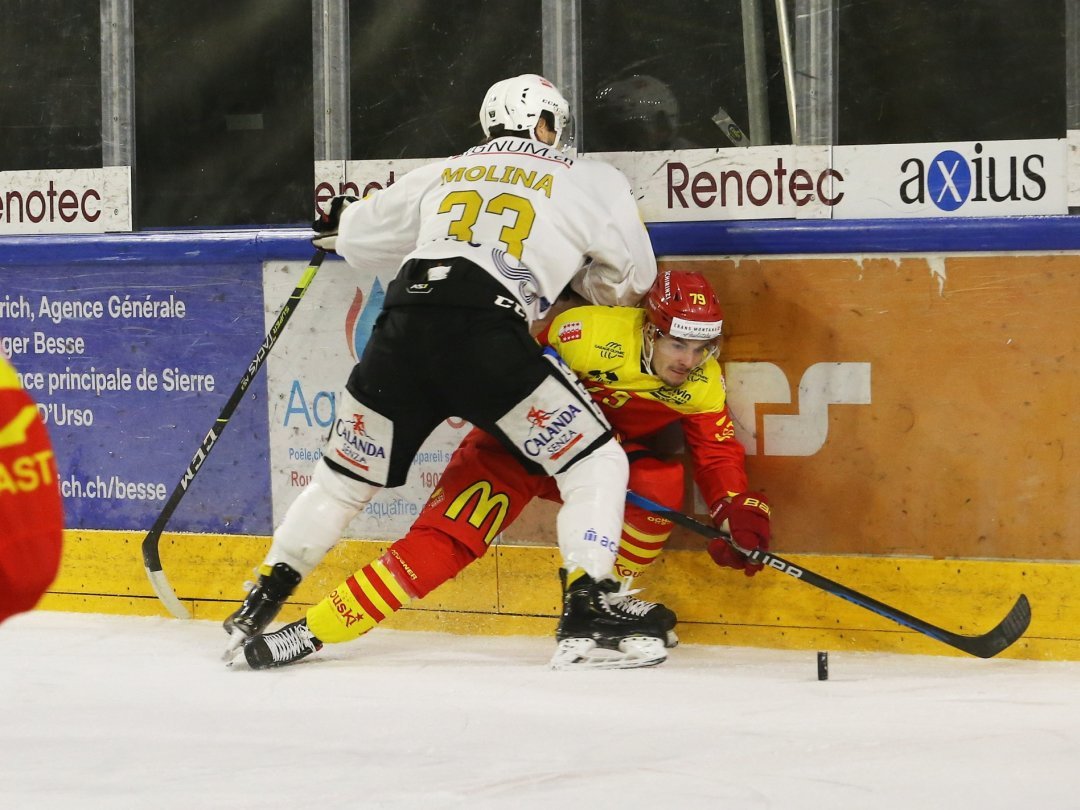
(603, 346)
(31, 516)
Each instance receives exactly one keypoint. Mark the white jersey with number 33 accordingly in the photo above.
(533, 217)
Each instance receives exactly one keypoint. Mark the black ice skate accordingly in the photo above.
(261, 605)
(663, 616)
(603, 628)
(285, 646)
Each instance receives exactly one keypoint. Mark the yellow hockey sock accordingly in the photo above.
(637, 550)
(359, 603)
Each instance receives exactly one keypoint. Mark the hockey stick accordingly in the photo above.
(986, 645)
(150, 552)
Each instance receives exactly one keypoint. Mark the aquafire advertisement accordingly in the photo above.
(306, 374)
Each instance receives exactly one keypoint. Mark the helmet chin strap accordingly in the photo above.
(648, 344)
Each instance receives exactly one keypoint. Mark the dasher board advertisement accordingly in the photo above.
(702, 185)
(129, 370)
(962, 179)
(66, 201)
(969, 179)
(306, 374)
(773, 182)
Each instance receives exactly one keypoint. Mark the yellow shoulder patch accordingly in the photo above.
(8, 377)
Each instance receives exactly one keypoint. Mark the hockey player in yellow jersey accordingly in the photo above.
(645, 368)
(31, 511)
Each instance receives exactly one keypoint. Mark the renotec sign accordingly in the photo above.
(698, 185)
(66, 201)
(977, 178)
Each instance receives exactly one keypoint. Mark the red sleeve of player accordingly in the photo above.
(31, 517)
(719, 458)
(542, 334)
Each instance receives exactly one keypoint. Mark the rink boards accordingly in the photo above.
(514, 590)
(904, 391)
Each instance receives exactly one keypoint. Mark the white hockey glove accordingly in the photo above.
(327, 225)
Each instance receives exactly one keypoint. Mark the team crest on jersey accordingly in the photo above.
(569, 332)
(611, 349)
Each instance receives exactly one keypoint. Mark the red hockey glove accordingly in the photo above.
(746, 518)
(327, 225)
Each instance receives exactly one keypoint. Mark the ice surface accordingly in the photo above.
(125, 712)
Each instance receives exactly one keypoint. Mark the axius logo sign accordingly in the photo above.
(803, 433)
(966, 179)
(949, 179)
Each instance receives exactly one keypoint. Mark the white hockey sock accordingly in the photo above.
(316, 520)
(590, 521)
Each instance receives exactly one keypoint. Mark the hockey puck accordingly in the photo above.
(822, 666)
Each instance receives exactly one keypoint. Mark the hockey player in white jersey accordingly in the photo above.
(485, 242)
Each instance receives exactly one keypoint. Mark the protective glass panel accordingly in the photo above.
(50, 82)
(223, 112)
(920, 71)
(420, 69)
(664, 74)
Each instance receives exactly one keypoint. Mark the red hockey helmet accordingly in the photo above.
(681, 304)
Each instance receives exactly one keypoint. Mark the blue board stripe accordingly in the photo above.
(739, 237)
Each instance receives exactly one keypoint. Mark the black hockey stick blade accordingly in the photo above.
(987, 645)
(150, 545)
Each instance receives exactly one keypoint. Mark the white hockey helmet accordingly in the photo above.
(515, 105)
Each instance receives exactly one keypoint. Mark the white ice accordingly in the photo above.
(122, 712)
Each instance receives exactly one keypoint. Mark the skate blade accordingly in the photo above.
(234, 647)
(238, 662)
(634, 652)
